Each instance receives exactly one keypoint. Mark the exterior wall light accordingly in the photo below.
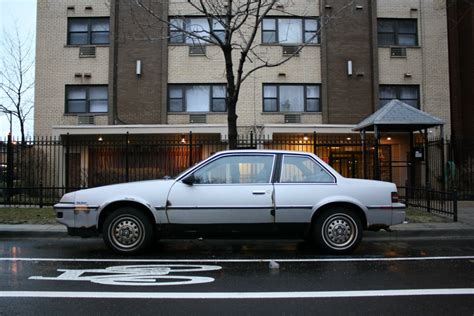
(349, 67)
(138, 68)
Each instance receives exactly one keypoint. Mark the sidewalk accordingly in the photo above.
(463, 228)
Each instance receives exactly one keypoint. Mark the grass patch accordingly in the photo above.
(414, 215)
(20, 215)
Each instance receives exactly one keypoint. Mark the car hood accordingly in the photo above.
(152, 192)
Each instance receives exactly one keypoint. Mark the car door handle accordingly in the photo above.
(258, 192)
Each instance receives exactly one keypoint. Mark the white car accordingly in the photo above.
(241, 193)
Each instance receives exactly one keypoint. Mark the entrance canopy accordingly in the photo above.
(396, 116)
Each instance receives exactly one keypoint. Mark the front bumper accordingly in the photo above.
(80, 220)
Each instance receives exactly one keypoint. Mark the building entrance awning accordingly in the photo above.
(140, 129)
(396, 116)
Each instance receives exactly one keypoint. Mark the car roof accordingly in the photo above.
(264, 151)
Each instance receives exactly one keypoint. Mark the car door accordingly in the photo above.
(303, 182)
(232, 191)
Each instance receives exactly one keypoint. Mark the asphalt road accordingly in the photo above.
(57, 276)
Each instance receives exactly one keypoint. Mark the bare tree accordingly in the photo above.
(233, 26)
(16, 77)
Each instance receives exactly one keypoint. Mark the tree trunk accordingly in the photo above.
(232, 124)
(231, 98)
(22, 131)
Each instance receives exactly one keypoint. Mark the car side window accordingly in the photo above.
(300, 169)
(236, 169)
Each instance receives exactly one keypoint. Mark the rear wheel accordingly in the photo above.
(128, 231)
(338, 231)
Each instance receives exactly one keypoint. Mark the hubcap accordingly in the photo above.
(126, 231)
(339, 231)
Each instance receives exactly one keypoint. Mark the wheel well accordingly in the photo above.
(109, 209)
(347, 205)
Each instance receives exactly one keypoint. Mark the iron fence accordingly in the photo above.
(433, 201)
(39, 171)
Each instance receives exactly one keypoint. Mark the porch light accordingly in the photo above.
(183, 139)
(389, 137)
(305, 137)
(138, 68)
(348, 138)
(100, 139)
(349, 67)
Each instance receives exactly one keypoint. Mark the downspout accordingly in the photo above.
(115, 64)
(423, 66)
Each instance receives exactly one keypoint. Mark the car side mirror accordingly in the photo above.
(189, 180)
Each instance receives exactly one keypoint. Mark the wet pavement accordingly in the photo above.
(75, 276)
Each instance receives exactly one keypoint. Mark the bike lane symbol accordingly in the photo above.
(136, 275)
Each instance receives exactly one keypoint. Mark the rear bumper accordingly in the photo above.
(386, 215)
(398, 216)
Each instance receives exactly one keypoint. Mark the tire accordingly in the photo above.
(128, 231)
(338, 231)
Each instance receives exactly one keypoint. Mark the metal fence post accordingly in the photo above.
(251, 139)
(190, 148)
(314, 143)
(443, 162)
(41, 193)
(9, 190)
(407, 195)
(127, 140)
(428, 200)
(455, 206)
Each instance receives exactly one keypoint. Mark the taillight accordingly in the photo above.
(394, 197)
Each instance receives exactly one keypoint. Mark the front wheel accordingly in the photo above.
(128, 231)
(338, 231)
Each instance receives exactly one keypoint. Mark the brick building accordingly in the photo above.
(107, 68)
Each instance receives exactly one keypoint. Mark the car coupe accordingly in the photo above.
(237, 194)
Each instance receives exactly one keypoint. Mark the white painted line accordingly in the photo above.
(238, 295)
(370, 259)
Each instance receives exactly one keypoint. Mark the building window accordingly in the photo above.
(290, 30)
(86, 99)
(195, 25)
(409, 94)
(397, 32)
(197, 98)
(88, 31)
(291, 98)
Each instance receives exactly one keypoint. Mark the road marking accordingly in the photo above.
(238, 295)
(136, 275)
(370, 259)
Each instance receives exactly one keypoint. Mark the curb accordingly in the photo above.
(420, 234)
(22, 230)
(33, 234)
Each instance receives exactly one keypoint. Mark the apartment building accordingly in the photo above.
(107, 68)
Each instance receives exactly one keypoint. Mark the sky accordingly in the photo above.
(23, 13)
